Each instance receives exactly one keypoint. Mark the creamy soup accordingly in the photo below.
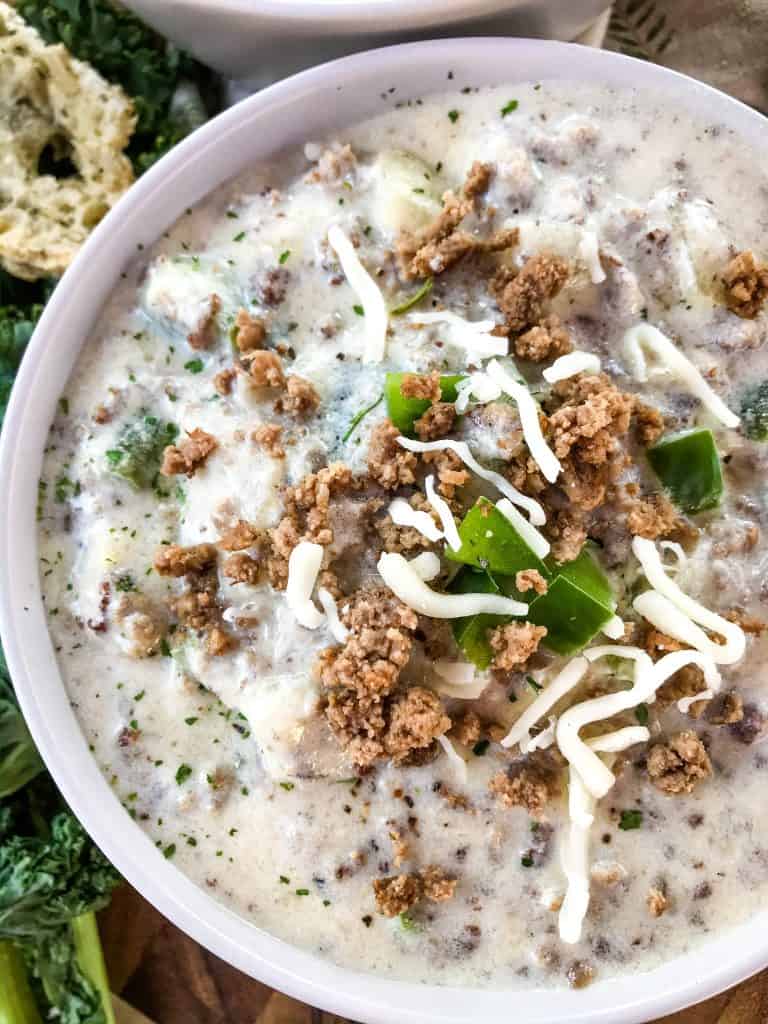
(401, 537)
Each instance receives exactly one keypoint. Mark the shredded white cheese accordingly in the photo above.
(303, 567)
(589, 253)
(614, 628)
(458, 764)
(461, 448)
(593, 773)
(450, 530)
(338, 630)
(684, 704)
(673, 662)
(366, 289)
(536, 541)
(540, 451)
(406, 584)
(681, 559)
(542, 740)
(571, 364)
(472, 335)
(735, 640)
(477, 387)
(563, 683)
(402, 513)
(644, 336)
(460, 679)
(574, 855)
(426, 565)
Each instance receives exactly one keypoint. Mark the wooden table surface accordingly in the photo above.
(173, 980)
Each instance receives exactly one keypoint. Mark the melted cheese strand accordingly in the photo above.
(542, 740)
(671, 663)
(413, 591)
(677, 551)
(303, 567)
(440, 505)
(457, 762)
(596, 777)
(478, 387)
(563, 683)
(472, 335)
(644, 336)
(571, 364)
(535, 512)
(402, 513)
(589, 254)
(366, 289)
(426, 565)
(536, 541)
(661, 613)
(459, 679)
(574, 855)
(338, 630)
(540, 451)
(735, 641)
(614, 628)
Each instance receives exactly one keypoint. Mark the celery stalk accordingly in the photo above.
(90, 957)
(17, 1005)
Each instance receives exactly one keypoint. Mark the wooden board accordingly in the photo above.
(167, 976)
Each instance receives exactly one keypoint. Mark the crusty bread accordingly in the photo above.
(47, 98)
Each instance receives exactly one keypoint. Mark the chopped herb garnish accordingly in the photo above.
(64, 405)
(125, 583)
(139, 696)
(182, 774)
(407, 923)
(284, 256)
(302, 892)
(630, 820)
(418, 191)
(169, 850)
(287, 786)
(536, 687)
(526, 860)
(509, 107)
(641, 714)
(285, 880)
(326, 903)
(232, 215)
(359, 310)
(165, 650)
(194, 366)
(191, 720)
(453, 116)
(359, 416)
(412, 300)
(239, 236)
(480, 747)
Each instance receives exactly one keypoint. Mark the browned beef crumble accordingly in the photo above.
(300, 397)
(336, 164)
(266, 369)
(686, 682)
(436, 422)
(746, 285)
(403, 539)
(530, 579)
(468, 729)
(425, 386)
(514, 644)
(249, 332)
(190, 454)
(147, 623)
(175, 560)
(197, 608)
(416, 718)
(523, 295)
(269, 437)
(449, 470)
(649, 423)
(396, 894)
(224, 380)
(657, 901)
(388, 463)
(547, 340)
(679, 765)
(241, 536)
(242, 568)
(726, 709)
(653, 517)
(441, 245)
(204, 334)
(530, 782)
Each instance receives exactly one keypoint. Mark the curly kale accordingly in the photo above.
(158, 77)
(20, 308)
(19, 760)
(139, 450)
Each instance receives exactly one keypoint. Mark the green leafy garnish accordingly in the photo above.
(139, 450)
(359, 310)
(182, 774)
(480, 747)
(359, 416)
(413, 300)
(509, 107)
(194, 366)
(284, 256)
(453, 116)
(630, 820)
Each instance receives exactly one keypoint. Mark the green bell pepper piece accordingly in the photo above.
(577, 605)
(489, 541)
(405, 411)
(688, 466)
(471, 633)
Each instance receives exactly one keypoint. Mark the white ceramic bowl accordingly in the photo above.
(306, 106)
(264, 40)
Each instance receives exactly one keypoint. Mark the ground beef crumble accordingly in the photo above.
(522, 295)
(547, 340)
(269, 437)
(242, 568)
(190, 454)
(425, 386)
(265, 369)
(657, 901)
(416, 718)
(388, 463)
(396, 894)
(679, 765)
(175, 560)
(436, 422)
(515, 643)
(204, 334)
(746, 285)
(530, 782)
(241, 536)
(653, 517)
(402, 539)
(300, 397)
(249, 331)
(530, 579)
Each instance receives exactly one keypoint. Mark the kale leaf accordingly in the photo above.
(139, 450)
(19, 759)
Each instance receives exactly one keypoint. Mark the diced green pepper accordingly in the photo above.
(405, 411)
(577, 604)
(471, 633)
(490, 541)
(688, 466)
(754, 412)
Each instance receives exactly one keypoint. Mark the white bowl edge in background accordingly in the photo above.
(306, 106)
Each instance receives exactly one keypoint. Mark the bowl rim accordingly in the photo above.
(158, 198)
